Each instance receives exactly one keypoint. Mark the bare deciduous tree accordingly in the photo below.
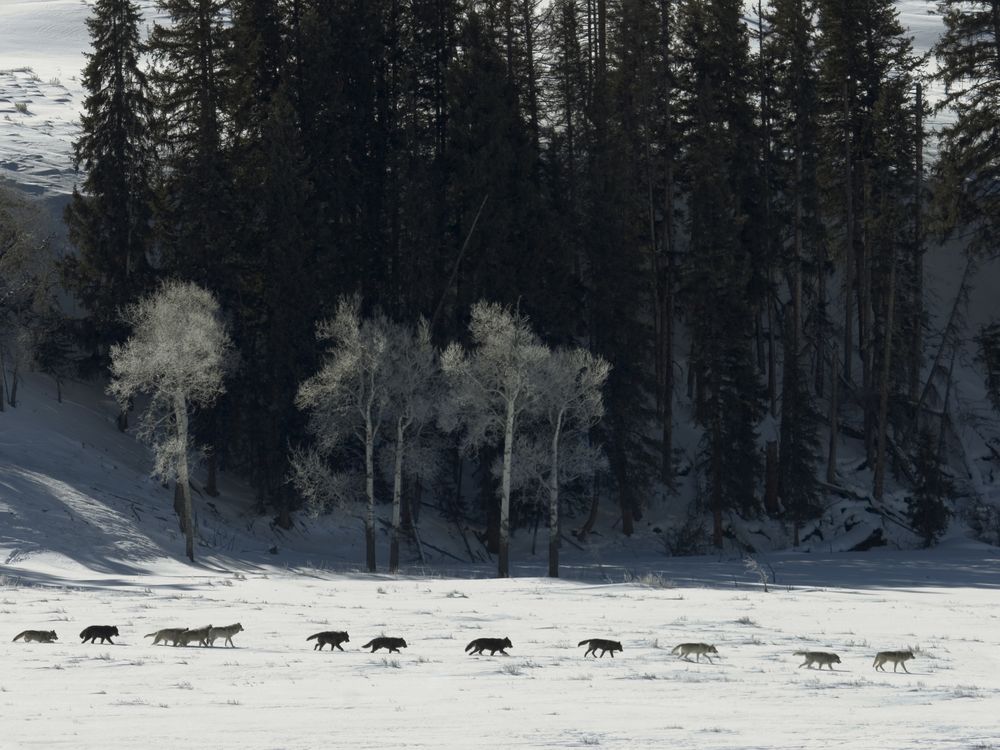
(178, 353)
(346, 399)
(414, 390)
(492, 388)
(570, 403)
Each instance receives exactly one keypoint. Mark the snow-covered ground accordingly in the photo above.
(274, 691)
(86, 538)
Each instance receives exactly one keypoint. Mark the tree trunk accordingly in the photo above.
(865, 323)
(667, 283)
(370, 492)
(187, 517)
(554, 503)
(771, 478)
(212, 483)
(917, 324)
(588, 525)
(14, 380)
(849, 239)
(179, 505)
(503, 566)
(883, 402)
(3, 382)
(831, 460)
(397, 499)
(820, 329)
(716, 487)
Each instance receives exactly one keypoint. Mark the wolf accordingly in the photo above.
(195, 634)
(818, 657)
(167, 634)
(226, 632)
(896, 657)
(38, 636)
(600, 643)
(492, 644)
(333, 637)
(104, 632)
(699, 649)
(393, 644)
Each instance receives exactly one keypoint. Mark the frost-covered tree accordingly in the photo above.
(493, 387)
(413, 392)
(178, 354)
(569, 403)
(346, 400)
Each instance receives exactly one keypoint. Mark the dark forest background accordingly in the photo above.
(731, 209)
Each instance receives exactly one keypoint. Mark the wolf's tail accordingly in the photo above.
(675, 649)
(313, 637)
(369, 643)
(471, 646)
(19, 635)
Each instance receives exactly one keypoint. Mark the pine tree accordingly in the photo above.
(716, 115)
(799, 441)
(967, 54)
(866, 75)
(109, 218)
(926, 508)
(190, 78)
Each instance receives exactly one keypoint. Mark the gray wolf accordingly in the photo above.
(104, 632)
(818, 657)
(600, 643)
(38, 636)
(896, 657)
(393, 644)
(333, 637)
(226, 632)
(699, 649)
(491, 644)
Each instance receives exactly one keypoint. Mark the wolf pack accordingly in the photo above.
(208, 635)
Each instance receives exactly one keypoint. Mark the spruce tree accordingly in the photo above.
(109, 218)
(717, 121)
(926, 507)
(968, 54)
(190, 77)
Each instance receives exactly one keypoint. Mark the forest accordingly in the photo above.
(715, 215)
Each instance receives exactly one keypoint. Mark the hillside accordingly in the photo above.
(79, 490)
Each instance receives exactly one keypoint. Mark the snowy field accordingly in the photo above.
(274, 691)
(87, 538)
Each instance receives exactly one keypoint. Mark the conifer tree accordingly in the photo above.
(189, 74)
(968, 54)
(926, 507)
(109, 217)
(716, 115)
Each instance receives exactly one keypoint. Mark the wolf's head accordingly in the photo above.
(507, 643)
(114, 630)
(53, 636)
